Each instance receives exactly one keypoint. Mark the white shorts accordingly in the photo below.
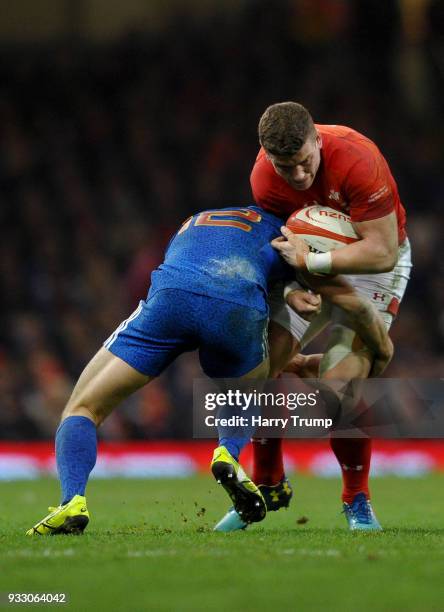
(385, 291)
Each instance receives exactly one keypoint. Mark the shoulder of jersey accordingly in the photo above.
(343, 147)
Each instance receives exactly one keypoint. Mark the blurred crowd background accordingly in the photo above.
(107, 144)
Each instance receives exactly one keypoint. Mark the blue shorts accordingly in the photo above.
(232, 339)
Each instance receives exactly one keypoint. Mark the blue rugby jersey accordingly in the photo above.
(226, 254)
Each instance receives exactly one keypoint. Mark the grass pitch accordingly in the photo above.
(149, 546)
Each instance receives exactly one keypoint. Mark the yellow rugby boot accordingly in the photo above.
(247, 499)
(71, 518)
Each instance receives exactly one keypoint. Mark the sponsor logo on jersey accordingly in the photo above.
(334, 195)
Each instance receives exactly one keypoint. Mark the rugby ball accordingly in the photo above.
(322, 228)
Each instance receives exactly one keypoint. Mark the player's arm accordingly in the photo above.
(362, 315)
(371, 196)
(306, 303)
(377, 251)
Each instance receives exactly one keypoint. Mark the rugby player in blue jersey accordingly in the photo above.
(210, 294)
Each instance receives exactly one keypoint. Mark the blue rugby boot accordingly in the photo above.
(360, 515)
(276, 497)
(231, 521)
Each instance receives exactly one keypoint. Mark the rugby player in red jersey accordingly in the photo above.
(301, 163)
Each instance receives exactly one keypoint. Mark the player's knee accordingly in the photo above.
(345, 358)
(86, 409)
(339, 348)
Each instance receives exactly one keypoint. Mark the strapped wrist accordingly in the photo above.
(319, 263)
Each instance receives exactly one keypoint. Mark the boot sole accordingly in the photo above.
(250, 506)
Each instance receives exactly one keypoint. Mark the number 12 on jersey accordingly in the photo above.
(218, 218)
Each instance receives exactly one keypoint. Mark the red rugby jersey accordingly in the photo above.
(353, 177)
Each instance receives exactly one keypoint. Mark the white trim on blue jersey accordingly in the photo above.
(123, 326)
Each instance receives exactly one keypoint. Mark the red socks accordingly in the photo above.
(353, 455)
(268, 465)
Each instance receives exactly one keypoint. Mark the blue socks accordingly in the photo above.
(76, 453)
(234, 445)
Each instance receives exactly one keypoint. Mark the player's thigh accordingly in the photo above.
(346, 357)
(139, 349)
(233, 342)
(158, 331)
(386, 290)
(104, 383)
